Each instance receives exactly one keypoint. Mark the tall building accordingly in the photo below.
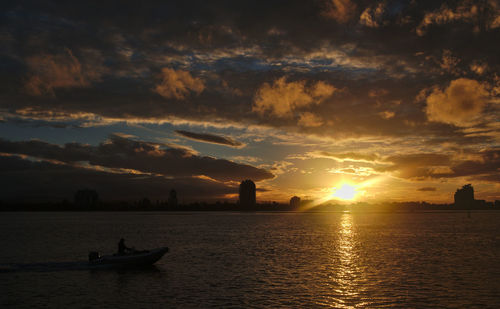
(247, 194)
(86, 198)
(464, 196)
(295, 202)
(172, 198)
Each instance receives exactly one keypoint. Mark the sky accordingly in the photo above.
(323, 99)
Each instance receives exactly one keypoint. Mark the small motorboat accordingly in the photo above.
(132, 259)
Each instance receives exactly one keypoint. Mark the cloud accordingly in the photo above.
(459, 104)
(178, 84)
(347, 156)
(49, 72)
(237, 60)
(449, 62)
(308, 119)
(495, 23)
(372, 16)
(479, 67)
(417, 166)
(484, 15)
(146, 157)
(387, 114)
(340, 10)
(464, 12)
(485, 165)
(373, 93)
(49, 181)
(211, 138)
(282, 97)
(482, 165)
(419, 159)
(427, 189)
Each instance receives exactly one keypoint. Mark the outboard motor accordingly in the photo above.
(93, 255)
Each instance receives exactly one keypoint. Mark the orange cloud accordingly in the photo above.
(377, 93)
(387, 114)
(449, 62)
(282, 97)
(178, 84)
(495, 23)
(444, 15)
(308, 119)
(371, 16)
(340, 10)
(427, 189)
(56, 71)
(479, 67)
(459, 104)
(342, 157)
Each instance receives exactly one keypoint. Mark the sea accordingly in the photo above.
(253, 260)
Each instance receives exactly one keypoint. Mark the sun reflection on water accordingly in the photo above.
(349, 275)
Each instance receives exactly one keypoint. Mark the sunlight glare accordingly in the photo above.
(345, 192)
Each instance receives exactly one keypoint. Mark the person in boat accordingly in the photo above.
(122, 249)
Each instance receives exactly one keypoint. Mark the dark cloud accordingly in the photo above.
(427, 189)
(184, 26)
(420, 159)
(49, 72)
(147, 157)
(460, 103)
(482, 165)
(26, 180)
(93, 59)
(404, 72)
(210, 138)
(351, 156)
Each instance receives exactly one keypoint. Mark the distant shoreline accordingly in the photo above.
(180, 212)
(408, 207)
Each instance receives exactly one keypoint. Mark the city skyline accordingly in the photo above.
(341, 100)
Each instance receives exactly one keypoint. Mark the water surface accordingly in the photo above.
(224, 259)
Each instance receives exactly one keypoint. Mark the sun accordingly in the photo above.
(345, 192)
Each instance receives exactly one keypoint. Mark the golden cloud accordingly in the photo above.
(459, 104)
(308, 119)
(371, 16)
(495, 23)
(348, 156)
(377, 92)
(282, 97)
(479, 67)
(178, 84)
(340, 10)
(387, 114)
(449, 62)
(56, 71)
(444, 15)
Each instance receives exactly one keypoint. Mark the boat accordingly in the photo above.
(132, 259)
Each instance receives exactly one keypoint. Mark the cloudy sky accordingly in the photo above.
(394, 100)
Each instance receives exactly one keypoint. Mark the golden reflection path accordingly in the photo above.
(348, 279)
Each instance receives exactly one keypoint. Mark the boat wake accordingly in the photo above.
(45, 267)
(139, 259)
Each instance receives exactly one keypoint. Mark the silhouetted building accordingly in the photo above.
(464, 196)
(86, 198)
(145, 202)
(480, 203)
(295, 202)
(247, 194)
(172, 198)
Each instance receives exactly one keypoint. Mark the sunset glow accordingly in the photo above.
(345, 100)
(250, 153)
(345, 192)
